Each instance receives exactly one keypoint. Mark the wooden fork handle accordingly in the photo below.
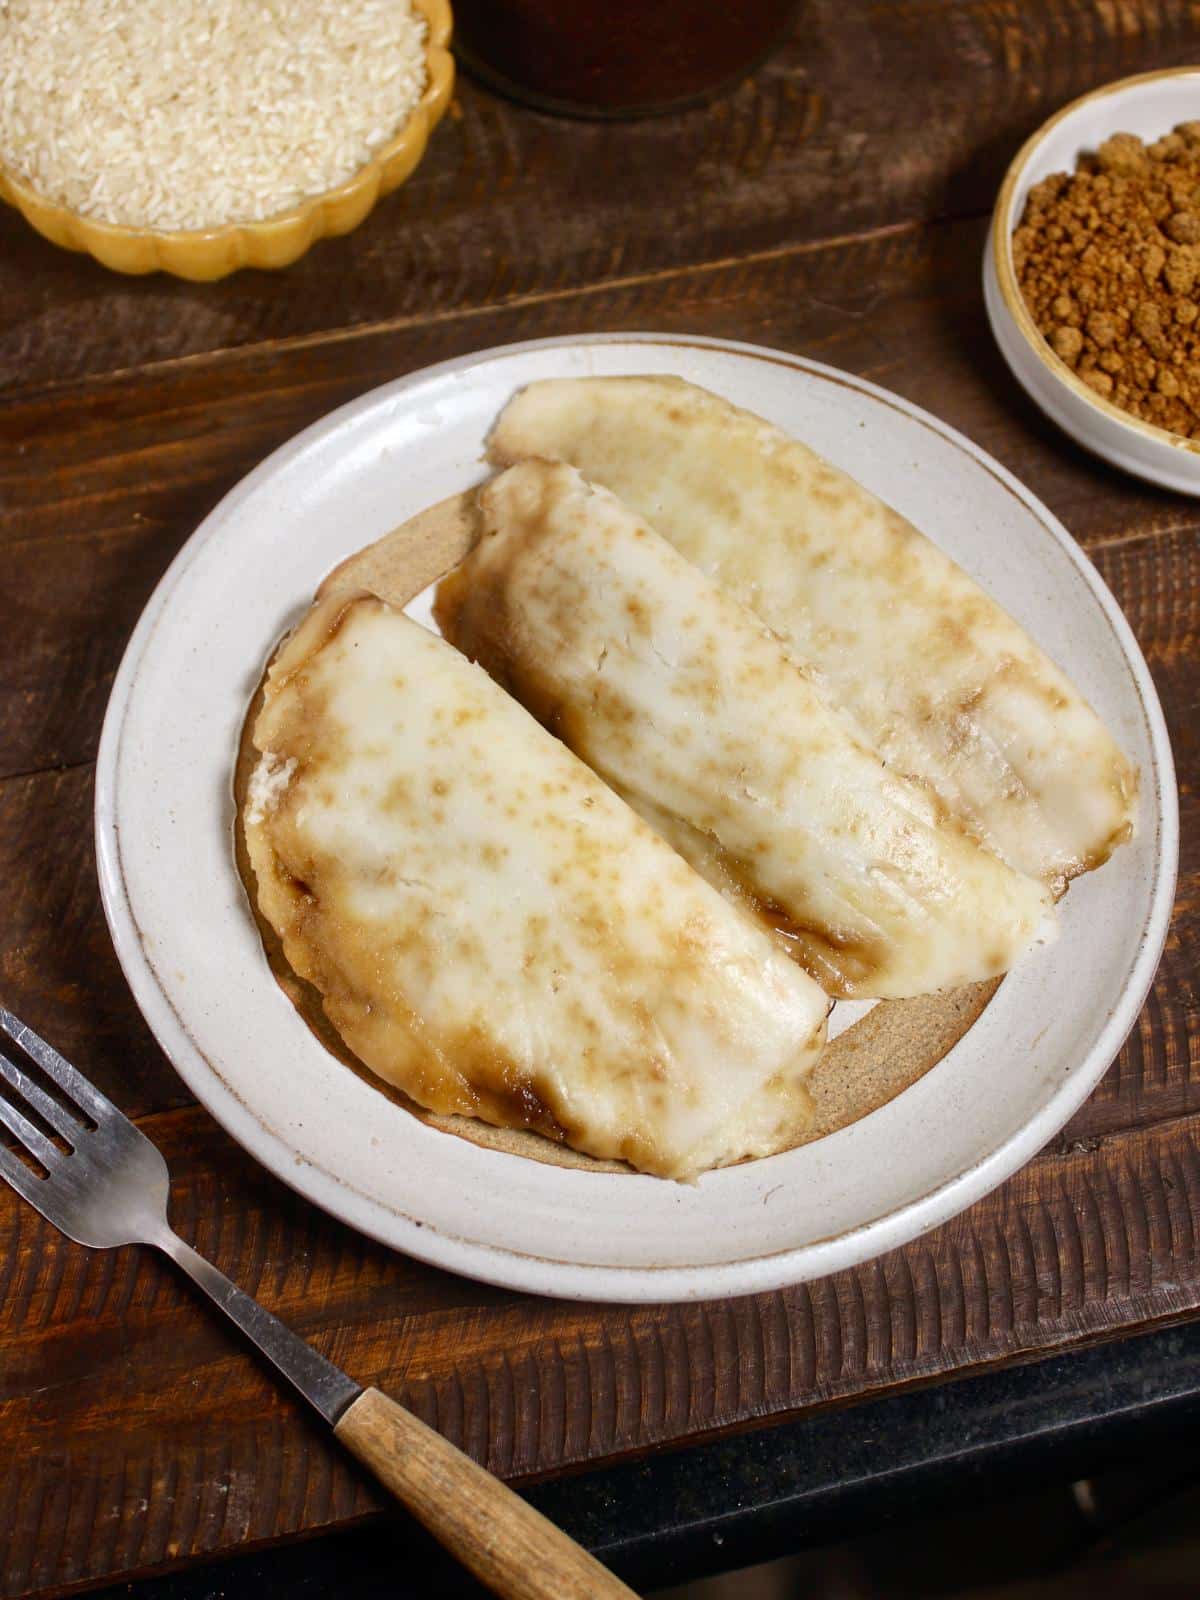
(506, 1543)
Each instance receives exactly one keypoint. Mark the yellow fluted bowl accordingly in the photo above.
(205, 254)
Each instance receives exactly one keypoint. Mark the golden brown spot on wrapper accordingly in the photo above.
(506, 1093)
(1097, 856)
(640, 1150)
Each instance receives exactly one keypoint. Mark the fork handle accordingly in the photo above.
(500, 1537)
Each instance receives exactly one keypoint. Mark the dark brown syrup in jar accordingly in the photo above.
(616, 58)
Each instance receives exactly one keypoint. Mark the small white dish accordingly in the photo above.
(186, 939)
(1149, 105)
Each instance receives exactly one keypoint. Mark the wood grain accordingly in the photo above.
(834, 206)
(872, 114)
(148, 1434)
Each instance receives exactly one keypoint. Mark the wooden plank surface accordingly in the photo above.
(834, 206)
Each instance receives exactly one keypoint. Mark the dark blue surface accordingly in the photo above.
(821, 1478)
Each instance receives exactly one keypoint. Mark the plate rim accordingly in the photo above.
(509, 1267)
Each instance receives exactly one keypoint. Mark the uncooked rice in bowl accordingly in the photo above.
(189, 114)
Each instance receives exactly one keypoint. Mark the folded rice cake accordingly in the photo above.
(935, 675)
(494, 931)
(684, 702)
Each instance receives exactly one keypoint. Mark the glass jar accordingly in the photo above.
(616, 58)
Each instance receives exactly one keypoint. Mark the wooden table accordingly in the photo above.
(835, 205)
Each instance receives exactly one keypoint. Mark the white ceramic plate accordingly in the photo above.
(184, 934)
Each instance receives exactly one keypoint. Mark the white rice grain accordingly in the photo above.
(186, 114)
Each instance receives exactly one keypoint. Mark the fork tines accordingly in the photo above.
(69, 1121)
(91, 1104)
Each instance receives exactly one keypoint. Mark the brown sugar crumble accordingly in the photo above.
(1108, 259)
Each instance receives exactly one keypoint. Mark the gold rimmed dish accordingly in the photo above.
(1148, 105)
(206, 254)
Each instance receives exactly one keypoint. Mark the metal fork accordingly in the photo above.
(110, 1186)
